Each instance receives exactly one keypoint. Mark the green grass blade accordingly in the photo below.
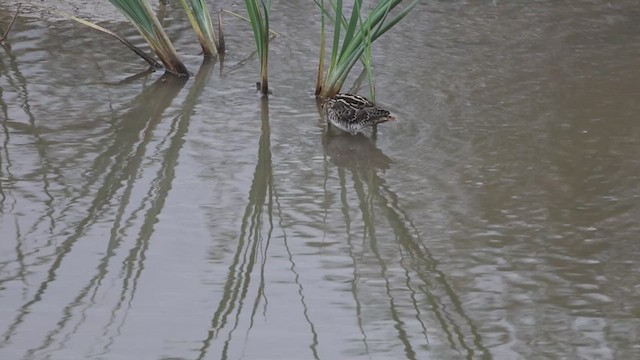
(334, 7)
(336, 37)
(264, 84)
(376, 18)
(259, 11)
(141, 15)
(324, 10)
(345, 67)
(366, 59)
(271, 32)
(357, 39)
(353, 22)
(154, 64)
(320, 78)
(255, 23)
(388, 25)
(200, 19)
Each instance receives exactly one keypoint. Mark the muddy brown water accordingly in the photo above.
(155, 218)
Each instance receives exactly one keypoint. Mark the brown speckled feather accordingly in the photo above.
(353, 113)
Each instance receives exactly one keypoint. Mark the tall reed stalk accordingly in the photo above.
(141, 15)
(200, 19)
(259, 16)
(358, 36)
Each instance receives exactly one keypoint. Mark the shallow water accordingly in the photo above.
(154, 218)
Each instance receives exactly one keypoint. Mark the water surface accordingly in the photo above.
(157, 218)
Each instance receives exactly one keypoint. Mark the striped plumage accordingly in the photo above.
(352, 113)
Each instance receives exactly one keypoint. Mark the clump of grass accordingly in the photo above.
(200, 19)
(258, 11)
(357, 39)
(141, 15)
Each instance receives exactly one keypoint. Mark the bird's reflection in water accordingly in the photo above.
(374, 215)
(355, 152)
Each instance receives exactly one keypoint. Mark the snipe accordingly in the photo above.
(352, 113)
